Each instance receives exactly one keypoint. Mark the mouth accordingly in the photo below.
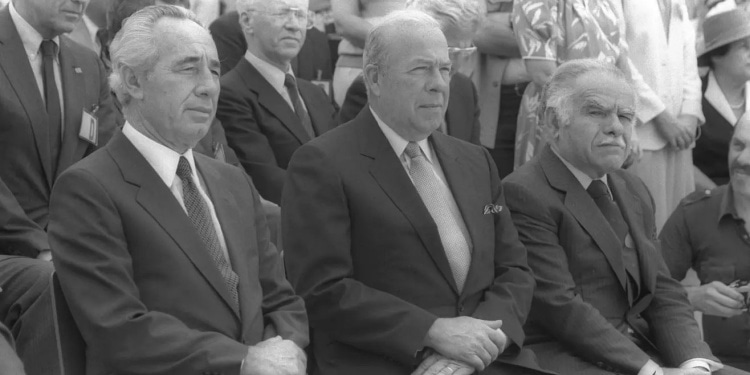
(745, 170)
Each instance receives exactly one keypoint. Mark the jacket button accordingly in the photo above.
(460, 309)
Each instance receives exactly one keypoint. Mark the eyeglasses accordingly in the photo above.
(459, 51)
(299, 15)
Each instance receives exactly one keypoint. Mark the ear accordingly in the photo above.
(246, 23)
(372, 78)
(552, 123)
(132, 81)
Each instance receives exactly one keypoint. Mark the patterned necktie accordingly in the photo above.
(52, 101)
(198, 213)
(291, 87)
(435, 196)
(600, 193)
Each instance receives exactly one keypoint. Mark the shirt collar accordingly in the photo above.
(582, 178)
(91, 27)
(272, 74)
(397, 142)
(30, 37)
(727, 204)
(162, 159)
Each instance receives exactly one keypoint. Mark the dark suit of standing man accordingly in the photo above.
(29, 166)
(604, 301)
(366, 252)
(163, 253)
(258, 110)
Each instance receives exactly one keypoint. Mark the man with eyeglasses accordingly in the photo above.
(459, 20)
(266, 112)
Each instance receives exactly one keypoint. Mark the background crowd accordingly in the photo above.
(76, 85)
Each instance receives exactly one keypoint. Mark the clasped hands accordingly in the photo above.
(719, 299)
(275, 356)
(679, 131)
(461, 346)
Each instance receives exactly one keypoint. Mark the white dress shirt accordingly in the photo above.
(92, 29)
(275, 77)
(399, 144)
(164, 161)
(32, 41)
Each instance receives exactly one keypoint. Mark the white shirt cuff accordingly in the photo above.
(650, 368)
(703, 363)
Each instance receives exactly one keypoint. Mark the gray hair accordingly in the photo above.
(464, 15)
(376, 44)
(557, 94)
(134, 45)
(244, 6)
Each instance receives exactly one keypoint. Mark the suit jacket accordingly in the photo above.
(263, 129)
(581, 308)
(145, 293)
(313, 58)
(18, 234)
(461, 118)
(27, 168)
(370, 265)
(665, 58)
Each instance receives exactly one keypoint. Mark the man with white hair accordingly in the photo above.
(163, 254)
(396, 235)
(266, 112)
(604, 301)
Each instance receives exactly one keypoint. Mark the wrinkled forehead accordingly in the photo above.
(604, 90)
(184, 39)
(410, 44)
(281, 4)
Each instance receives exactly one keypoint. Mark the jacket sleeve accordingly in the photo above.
(19, 235)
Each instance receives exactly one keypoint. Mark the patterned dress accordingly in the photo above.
(561, 30)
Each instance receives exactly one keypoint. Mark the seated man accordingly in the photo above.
(459, 20)
(25, 301)
(708, 233)
(163, 253)
(267, 112)
(604, 301)
(396, 235)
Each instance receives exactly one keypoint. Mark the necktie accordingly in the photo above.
(291, 87)
(198, 213)
(435, 194)
(103, 37)
(52, 101)
(599, 192)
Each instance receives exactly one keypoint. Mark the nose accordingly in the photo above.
(438, 81)
(614, 126)
(208, 84)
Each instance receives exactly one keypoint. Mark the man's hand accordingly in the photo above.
(685, 371)
(274, 356)
(716, 298)
(676, 135)
(436, 364)
(469, 340)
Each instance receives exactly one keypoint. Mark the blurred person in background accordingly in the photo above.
(725, 92)
(354, 19)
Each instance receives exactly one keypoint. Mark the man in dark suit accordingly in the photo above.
(311, 63)
(163, 253)
(25, 302)
(266, 112)
(396, 235)
(604, 301)
(47, 82)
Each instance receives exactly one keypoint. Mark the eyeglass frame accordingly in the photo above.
(462, 50)
(285, 13)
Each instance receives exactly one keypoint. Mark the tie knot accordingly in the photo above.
(49, 48)
(289, 81)
(598, 189)
(412, 150)
(184, 171)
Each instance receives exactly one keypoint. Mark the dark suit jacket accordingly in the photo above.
(18, 234)
(263, 129)
(581, 307)
(712, 147)
(364, 252)
(26, 166)
(461, 118)
(144, 292)
(314, 56)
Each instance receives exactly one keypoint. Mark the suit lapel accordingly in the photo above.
(389, 173)
(461, 177)
(580, 204)
(270, 99)
(74, 90)
(14, 62)
(158, 201)
(311, 95)
(457, 107)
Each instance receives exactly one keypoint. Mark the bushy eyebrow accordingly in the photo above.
(213, 63)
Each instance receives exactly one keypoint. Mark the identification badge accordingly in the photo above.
(89, 128)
